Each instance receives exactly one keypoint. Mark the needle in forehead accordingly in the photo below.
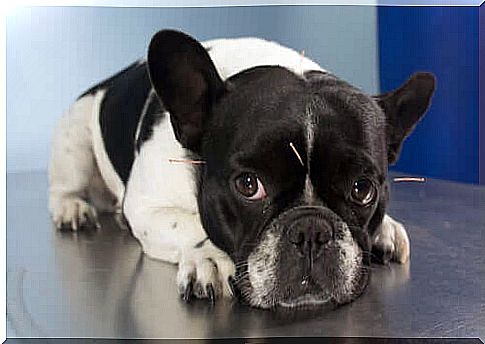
(297, 154)
(186, 161)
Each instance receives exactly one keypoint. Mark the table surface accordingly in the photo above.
(99, 284)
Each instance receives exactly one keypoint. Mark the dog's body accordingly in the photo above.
(114, 151)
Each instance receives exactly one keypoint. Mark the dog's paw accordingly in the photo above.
(73, 213)
(391, 242)
(205, 273)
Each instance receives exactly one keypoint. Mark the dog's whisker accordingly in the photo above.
(242, 273)
(239, 276)
(241, 264)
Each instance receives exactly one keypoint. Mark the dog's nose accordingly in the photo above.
(309, 235)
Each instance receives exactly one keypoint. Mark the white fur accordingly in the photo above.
(310, 137)
(391, 236)
(262, 265)
(159, 200)
(231, 56)
(351, 258)
(160, 189)
(73, 173)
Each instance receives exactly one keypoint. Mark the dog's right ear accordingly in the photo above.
(186, 81)
(404, 107)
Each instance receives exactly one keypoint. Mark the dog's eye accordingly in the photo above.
(249, 185)
(363, 191)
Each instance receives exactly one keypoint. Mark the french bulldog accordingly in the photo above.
(258, 172)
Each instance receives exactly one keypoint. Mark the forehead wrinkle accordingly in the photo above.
(359, 109)
(269, 149)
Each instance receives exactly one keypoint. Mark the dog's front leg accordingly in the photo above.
(390, 241)
(161, 209)
(175, 235)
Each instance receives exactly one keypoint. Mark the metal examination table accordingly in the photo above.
(98, 284)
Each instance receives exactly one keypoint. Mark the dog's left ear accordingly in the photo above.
(186, 81)
(404, 107)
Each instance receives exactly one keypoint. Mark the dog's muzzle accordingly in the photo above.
(305, 257)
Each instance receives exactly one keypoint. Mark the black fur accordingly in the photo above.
(119, 116)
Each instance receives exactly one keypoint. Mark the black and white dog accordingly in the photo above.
(250, 166)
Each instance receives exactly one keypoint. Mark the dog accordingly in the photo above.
(262, 175)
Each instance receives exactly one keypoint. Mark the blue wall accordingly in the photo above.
(443, 40)
(55, 53)
(481, 62)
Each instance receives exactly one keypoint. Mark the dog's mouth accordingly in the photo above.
(307, 300)
(278, 273)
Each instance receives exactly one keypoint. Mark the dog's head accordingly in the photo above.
(294, 180)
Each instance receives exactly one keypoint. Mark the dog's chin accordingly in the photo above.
(317, 300)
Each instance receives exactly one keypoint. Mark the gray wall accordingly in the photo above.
(53, 54)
